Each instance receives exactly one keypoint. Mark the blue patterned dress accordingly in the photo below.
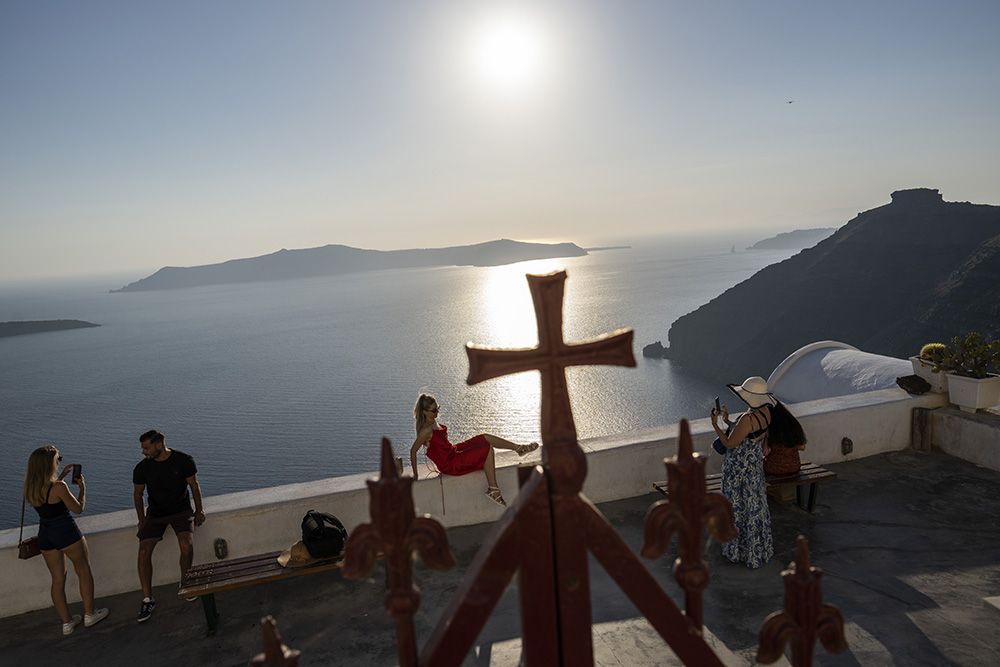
(743, 484)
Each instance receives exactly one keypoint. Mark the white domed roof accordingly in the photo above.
(828, 368)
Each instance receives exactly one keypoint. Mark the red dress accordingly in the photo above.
(460, 459)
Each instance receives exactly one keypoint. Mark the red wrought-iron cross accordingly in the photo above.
(550, 358)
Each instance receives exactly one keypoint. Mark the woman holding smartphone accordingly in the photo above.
(58, 535)
(743, 472)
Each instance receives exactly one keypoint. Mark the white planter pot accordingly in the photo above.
(937, 381)
(971, 394)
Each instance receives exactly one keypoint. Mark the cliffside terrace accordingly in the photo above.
(907, 536)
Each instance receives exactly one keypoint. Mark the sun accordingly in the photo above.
(508, 54)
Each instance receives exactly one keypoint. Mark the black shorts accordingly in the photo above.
(58, 532)
(153, 527)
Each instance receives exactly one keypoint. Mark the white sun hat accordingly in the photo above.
(753, 391)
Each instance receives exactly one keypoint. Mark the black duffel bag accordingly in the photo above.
(323, 534)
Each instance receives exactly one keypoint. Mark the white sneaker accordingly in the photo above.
(95, 618)
(68, 628)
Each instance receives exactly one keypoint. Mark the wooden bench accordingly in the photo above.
(206, 580)
(810, 474)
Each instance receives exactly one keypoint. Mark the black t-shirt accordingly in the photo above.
(166, 483)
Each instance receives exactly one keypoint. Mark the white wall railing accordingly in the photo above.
(263, 520)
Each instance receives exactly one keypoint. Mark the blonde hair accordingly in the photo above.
(425, 401)
(42, 467)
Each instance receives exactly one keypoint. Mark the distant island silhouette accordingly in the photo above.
(41, 326)
(917, 270)
(332, 260)
(794, 240)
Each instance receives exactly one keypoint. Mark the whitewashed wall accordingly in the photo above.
(973, 437)
(620, 466)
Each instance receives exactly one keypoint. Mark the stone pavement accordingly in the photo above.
(909, 543)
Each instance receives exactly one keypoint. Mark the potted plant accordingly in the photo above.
(933, 364)
(971, 386)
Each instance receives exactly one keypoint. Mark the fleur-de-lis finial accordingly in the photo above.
(687, 510)
(397, 533)
(805, 617)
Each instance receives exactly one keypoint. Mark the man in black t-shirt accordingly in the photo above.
(165, 475)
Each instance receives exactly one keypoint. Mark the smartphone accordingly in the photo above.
(718, 408)
(77, 471)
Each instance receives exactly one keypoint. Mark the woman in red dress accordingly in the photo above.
(476, 453)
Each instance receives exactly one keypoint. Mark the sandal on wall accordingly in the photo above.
(493, 493)
(526, 449)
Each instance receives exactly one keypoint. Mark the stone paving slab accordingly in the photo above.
(908, 543)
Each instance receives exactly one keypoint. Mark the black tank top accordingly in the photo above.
(757, 419)
(51, 510)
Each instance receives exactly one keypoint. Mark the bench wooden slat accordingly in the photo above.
(221, 570)
(219, 579)
(801, 479)
(206, 584)
(236, 562)
(809, 473)
(208, 580)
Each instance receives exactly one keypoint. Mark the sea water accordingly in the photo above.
(279, 382)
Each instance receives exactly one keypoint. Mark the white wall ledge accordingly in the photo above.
(619, 466)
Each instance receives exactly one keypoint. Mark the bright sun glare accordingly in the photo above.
(508, 54)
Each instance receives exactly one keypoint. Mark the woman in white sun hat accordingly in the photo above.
(743, 472)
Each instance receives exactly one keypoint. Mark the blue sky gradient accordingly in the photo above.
(141, 135)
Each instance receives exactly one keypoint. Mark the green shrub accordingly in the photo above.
(973, 357)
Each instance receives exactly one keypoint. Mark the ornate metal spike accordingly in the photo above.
(388, 461)
(805, 617)
(397, 533)
(688, 508)
(275, 654)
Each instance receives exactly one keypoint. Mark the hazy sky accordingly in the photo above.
(143, 134)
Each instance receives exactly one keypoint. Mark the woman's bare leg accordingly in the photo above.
(500, 443)
(490, 468)
(80, 555)
(57, 568)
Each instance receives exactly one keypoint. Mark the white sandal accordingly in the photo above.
(493, 493)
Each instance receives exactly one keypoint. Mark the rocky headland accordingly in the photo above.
(41, 326)
(336, 259)
(913, 271)
(794, 240)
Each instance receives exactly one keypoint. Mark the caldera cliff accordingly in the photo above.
(914, 271)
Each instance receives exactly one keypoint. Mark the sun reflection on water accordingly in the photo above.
(508, 312)
(509, 406)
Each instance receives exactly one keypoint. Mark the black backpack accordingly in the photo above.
(323, 534)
